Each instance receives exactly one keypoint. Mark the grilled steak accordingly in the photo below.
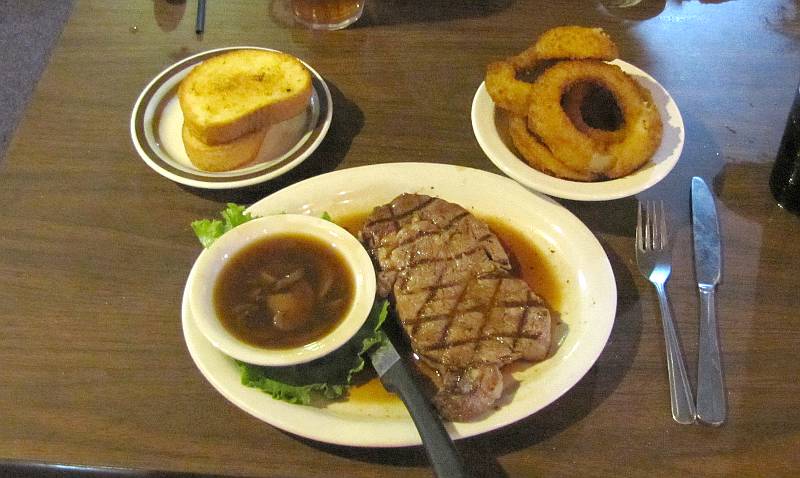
(450, 281)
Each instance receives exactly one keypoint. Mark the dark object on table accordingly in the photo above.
(200, 23)
(785, 179)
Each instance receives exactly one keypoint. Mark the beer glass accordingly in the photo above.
(327, 14)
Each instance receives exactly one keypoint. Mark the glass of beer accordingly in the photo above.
(327, 14)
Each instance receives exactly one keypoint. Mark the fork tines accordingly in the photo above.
(651, 231)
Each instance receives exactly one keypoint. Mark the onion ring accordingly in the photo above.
(537, 154)
(547, 123)
(631, 154)
(579, 151)
(505, 89)
(574, 101)
(570, 43)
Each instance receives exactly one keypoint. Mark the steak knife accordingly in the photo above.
(397, 378)
(711, 407)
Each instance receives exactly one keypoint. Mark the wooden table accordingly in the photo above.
(96, 246)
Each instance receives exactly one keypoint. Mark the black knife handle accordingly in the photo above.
(442, 452)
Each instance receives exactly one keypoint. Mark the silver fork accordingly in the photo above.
(653, 257)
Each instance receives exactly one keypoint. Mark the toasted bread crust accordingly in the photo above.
(224, 156)
(242, 91)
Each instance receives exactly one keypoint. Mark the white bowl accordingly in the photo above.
(213, 259)
(498, 148)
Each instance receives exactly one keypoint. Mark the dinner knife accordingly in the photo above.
(397, 378)
(711, 407)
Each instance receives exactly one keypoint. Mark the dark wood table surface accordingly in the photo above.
(95, 246)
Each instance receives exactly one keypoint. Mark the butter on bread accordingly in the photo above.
(242, 91)
(224, 156)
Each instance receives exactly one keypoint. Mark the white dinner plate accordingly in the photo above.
(157, 119)
(489, 125)
(587, 306)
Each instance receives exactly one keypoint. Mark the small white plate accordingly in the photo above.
(588, 302)
(489, 124)
(157, 119)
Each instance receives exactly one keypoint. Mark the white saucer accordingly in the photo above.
(157, 119)
(489, 125)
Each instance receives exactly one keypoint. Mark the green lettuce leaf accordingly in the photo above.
(326, 378)
(208, 231)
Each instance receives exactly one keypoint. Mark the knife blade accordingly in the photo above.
(397, 378)
(711, 403)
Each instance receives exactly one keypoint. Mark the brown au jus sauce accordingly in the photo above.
(284, 291)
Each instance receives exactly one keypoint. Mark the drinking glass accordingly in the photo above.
(327, 14)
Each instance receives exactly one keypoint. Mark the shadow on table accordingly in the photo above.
(394, 12)
(348, 119)
(168, 13)
(616, 218)
(397, 12)
(701, 156)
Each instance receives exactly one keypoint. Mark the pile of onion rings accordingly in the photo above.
(581, 118)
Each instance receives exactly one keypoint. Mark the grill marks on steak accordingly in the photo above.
(464, 313)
